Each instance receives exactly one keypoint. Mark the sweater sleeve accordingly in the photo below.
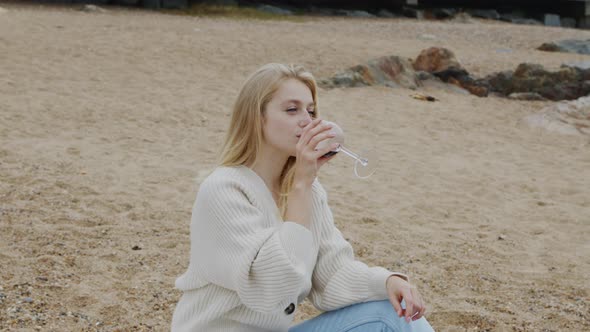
(238, 247)
(339, 279)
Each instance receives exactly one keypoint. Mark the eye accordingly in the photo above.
(311, 112)
(292, 109)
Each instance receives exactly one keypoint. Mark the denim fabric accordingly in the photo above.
(375, 316)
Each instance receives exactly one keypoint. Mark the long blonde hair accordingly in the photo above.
(244, 136)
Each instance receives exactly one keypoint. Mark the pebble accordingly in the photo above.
(502, 237)
(427, 37)
(28, 299)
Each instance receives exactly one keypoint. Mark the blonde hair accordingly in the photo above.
(244, 136)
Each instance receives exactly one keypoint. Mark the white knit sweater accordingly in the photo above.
(249, 269)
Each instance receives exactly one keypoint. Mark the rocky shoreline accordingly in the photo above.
(569, 15)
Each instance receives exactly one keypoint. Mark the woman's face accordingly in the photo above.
(286, 114)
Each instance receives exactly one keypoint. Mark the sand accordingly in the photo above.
(108, 121)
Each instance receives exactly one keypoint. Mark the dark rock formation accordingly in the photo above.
(566, 83)
(568, 45)
(442, 63)
(391, 71)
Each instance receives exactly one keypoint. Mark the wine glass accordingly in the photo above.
(365, 163)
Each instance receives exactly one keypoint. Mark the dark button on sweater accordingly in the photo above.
(289, 310)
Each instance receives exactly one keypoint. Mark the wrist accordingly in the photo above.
(396, 277)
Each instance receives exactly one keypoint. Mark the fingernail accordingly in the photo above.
(335, 145)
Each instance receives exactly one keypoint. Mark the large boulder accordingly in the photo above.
(436, 59)
(442, 63)
(571, 117)
(392, 71)
(566, 83)
(569, 45)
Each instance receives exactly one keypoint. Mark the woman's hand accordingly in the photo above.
(398, 289)
(310, 159)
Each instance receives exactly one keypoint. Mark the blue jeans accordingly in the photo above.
(375, 316)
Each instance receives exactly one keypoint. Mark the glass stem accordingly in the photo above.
(362, 160)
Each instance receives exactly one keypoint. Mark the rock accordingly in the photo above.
(504, 50)
(436, 59)
(385, 13)
(413, 13)
(568, 22)
(579, 46)
(583, 22)
(391, 71)
(427, 36)
(93, 9)
(441, 62)
(579, 64)
(525, 96)
(552, 20)
(517, 17)
(358, 13)
(353, 13)
(566, 83)
(490, 14)
(424, 75)
(136, 247)
(569, 118)
(462, 17)
(468, 83)
(502, 237)
(28, 300)
(274, 10)
(443, 13)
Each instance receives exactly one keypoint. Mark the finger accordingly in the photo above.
(317, 154)
(319, 138)
(422, 312)
(407, 294)
(420, 307)
(305, 137)
(314, 131)
(396, 305)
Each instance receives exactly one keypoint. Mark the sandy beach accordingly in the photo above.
(109, 121)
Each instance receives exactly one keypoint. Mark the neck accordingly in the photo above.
(269, 166)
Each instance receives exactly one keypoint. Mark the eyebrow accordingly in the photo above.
(297, 102)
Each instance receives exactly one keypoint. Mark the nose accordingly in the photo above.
(304, 122)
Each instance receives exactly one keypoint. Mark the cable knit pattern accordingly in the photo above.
(247, 265)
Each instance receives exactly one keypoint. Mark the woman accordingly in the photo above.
(262, 235)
